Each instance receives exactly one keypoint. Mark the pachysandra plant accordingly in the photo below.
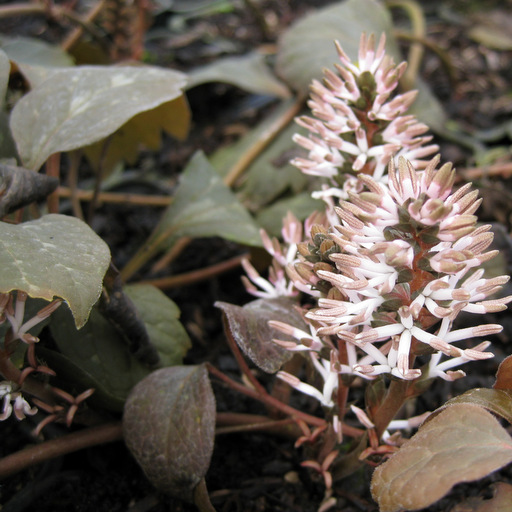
(383, 274)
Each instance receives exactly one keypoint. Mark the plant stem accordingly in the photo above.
(201, 498)
(395, 398)
(417, 18)
(56, 447)
(232, 422)
(187, 278)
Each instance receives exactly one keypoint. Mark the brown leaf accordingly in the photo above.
(169, 426)
(504, 375)
(249, 327)
(461, 444)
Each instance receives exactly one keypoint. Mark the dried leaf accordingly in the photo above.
(249, 72)
(55, 255)
(504, 375)
(461, 444)
(20, 187)
(76, 107)
(249, 327)
(169, 426)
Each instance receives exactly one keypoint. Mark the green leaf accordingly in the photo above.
(53, 256)
(271, 174)
(169, 426)
(461, 444)
(94, 357)
(5, 69)
(308, 47)
(203, 206)
(76, 107)
(161, 317)
(301, 205)
(97, 356)
(27, 50)
(249, 72)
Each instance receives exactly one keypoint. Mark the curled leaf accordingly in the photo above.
(249, 327)
(169, 426)
(20, 187)
(462, 443)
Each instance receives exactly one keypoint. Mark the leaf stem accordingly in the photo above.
(392, 403)
(23, 459)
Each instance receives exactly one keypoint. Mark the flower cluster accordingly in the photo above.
(390, 268)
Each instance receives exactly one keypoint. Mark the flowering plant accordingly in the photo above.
(384, 272)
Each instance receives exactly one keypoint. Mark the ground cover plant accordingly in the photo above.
(383, 283)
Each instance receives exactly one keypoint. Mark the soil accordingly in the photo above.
(255, 472)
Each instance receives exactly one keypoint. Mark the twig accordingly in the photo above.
(116, 197)
(53, 169)
(23, 459)
(267, 137)
(503, 170)
(202, 274)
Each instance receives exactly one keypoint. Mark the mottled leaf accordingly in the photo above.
(500, 502)
(461, 444)
(28, 50)
(250, 72)
(249, 327)
(20, 187)
(169, 426)
(75, 107)
(161, 317)
(53, 256)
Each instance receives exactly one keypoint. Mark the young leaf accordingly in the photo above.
(203, 206)
(169, 426)
(97, 355)
(161, 317)
(249, 327)
(75, 107)
(53, 256)
(462, 443)
(249, 72)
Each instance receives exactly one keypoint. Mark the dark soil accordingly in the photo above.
(258, 472)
